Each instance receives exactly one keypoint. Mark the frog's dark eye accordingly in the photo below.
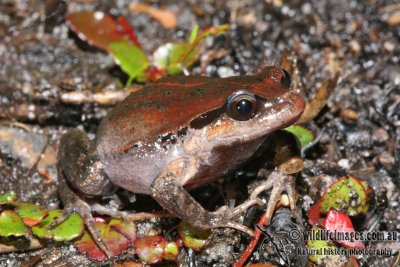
(285, 80)
(242, 106)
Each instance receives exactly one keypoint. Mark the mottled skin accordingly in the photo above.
(176, 134)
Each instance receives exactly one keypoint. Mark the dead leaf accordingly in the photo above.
(167, 18)
(102, 97)
(348, 113)
(319, 100)
(393, 19)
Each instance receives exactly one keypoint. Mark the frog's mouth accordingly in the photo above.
(280, 112)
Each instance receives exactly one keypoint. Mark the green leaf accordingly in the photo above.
(8, 197)
(193, 34)
(173, 57)
(317, 247)
(171, 251)
(217, 30)
(193, 237)
(191, 54)
(31, 214)
(304, 135)
(347, 195)
(69, 229)
(11, 224)
(168, 57)
(132, 60)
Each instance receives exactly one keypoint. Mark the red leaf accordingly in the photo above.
(353, 262)
(314, 214)
(337, 221)
(127, 229)
(115, 241)
(150, 249)
(154, 73)
(128, 30)
(100, 29)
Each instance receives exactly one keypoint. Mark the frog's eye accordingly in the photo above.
(285, 80)
(242, 106)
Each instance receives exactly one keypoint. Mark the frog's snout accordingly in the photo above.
(296, 103)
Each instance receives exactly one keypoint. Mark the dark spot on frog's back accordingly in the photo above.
(198, 92)
(161, 107)
(167, 93)
(148, 104)
(153, 104)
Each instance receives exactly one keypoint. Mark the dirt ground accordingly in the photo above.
(42, 61)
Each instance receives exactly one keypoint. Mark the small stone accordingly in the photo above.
(380, 135)
(225, 72)
(344, 163)
(386, 159)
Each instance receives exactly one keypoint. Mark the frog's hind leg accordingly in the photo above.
(79, 163)
(73, 204)
(174, 198)
(78, 167)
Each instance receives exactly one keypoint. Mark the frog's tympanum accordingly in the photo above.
(180, 133)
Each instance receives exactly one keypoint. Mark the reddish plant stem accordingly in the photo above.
(253, 243)
(128, 30)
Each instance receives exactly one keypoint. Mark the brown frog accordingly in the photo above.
(180, 133)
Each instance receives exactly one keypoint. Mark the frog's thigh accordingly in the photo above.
(79, 163)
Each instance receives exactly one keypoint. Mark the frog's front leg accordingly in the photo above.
(288, 163)
(174, 198)
(79, 169)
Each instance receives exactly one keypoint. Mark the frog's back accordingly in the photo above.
(159, 108)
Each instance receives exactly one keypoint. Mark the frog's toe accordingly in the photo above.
(273, 200)
(244, 206)
(280, 183)
(84, 210)
(64, 215)
(292, 194)
(223, 217)
(240, 227)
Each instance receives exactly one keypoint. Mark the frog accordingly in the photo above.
(178, 134)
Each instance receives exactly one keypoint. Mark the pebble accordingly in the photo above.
(380, 135)
(344, 163)
(386, 159)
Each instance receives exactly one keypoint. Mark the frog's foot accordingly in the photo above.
(223, 217)
(84, 210)
(279, 182)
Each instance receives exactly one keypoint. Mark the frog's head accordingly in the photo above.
(263, 106)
